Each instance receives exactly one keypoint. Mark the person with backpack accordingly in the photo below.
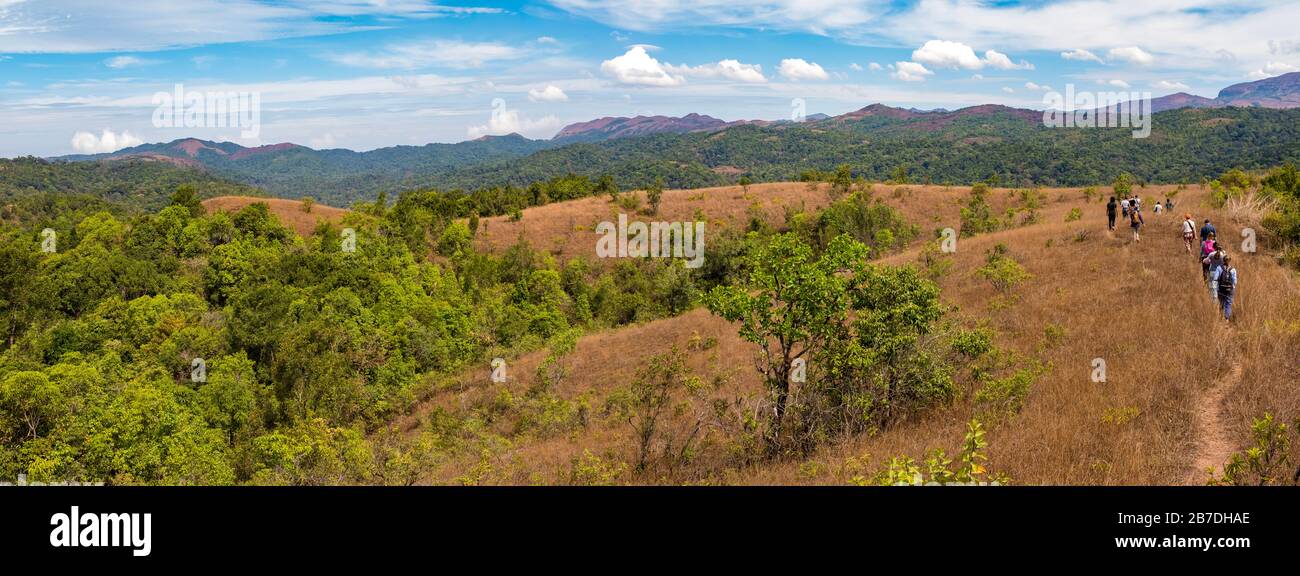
(1189, 231)
(1135, 222)
(1226, 282)
(1207, 248)
(1157, 208)
(1169, 204)
(1110, 213)
(1213, 262)
(1124, 206)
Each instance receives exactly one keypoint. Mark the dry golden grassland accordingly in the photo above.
(1182, 385)
(288, 212)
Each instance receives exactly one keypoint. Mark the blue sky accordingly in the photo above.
(80, 75)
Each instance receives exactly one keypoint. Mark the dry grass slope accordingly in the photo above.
(289, 212)
(1181, 388)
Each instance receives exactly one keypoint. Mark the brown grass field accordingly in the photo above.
(1182, 385)
(288, 212)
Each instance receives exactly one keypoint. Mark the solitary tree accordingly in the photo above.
(654, 194)
(793, 302)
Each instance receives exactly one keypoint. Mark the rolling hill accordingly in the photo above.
(1181, 391)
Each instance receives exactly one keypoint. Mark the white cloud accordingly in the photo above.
(551, 93)
(1116, 82)
(1038, 87)
(909, 72)
(426, 53)
(976, 76)
(636, 66)
(507, 121)
(1131, 54)
(120, 62)
(854, 66)
(547, 40)
(729, 69)
(1171, 85)
(954, 55)
(874, 67)
(946, 54)
(82, 26)
(1081, 55)
(108, 141)
(1272, 69)
(995, 59)
(798, 69)
(1008, 89)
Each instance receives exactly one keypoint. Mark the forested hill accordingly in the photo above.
(981, 143)
(1185, 145)
(334, 176)
(138, 183)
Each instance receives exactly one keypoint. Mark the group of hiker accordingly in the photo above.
(1131, 209)
(1216, 265)
(1217, 270)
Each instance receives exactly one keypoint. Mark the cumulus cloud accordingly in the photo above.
(799, 69)
(1038, 87)
(1132, 55)
(636, 66)
(954, 55)
(551, 93)
(1272, 69)
(1008, 89)
(875, 67)
(1116, 82)
(729, 69)
(508, 121)
(909, 72)
(1081, 55)
(995, 59)
(854, 66)
(107, 141)
(946, 54)
(1171, 85)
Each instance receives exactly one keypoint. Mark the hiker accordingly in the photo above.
(1189, 231)
(1157, 208)
(1207, 230)
(1226, 280)
(1110, 213)
(1135, 221)
(1207, 248)
(1125, 206)
(1169, 204)
(1213, 262)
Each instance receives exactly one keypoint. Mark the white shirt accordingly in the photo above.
(1189, 227)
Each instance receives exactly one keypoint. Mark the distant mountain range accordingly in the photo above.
(340, 176)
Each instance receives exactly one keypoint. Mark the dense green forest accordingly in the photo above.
(135, 182)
